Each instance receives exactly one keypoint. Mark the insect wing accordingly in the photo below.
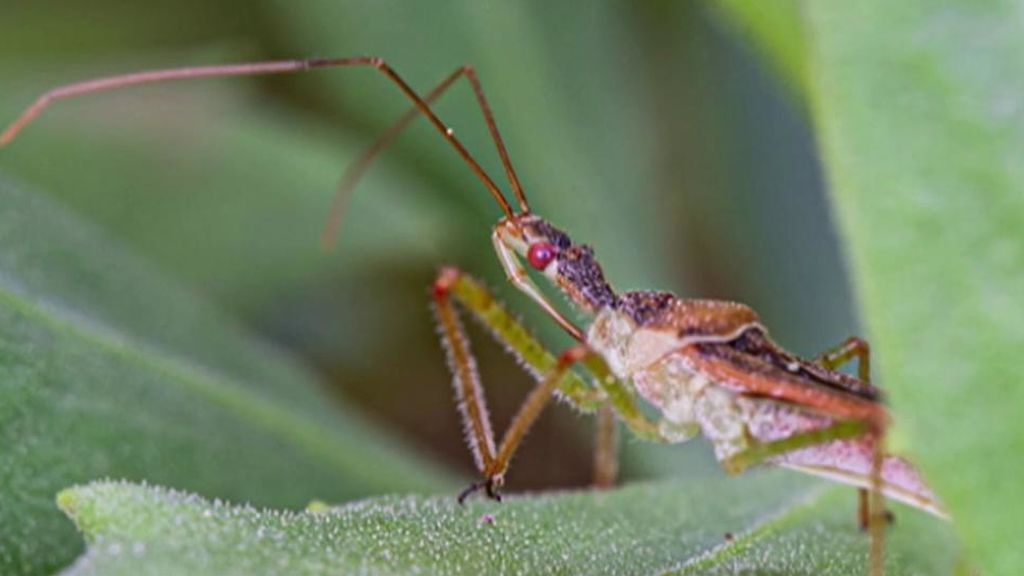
(761, 375)
(779, 402)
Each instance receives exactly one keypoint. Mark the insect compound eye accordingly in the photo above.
(541, 254)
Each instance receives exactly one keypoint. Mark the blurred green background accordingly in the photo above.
(652, 130)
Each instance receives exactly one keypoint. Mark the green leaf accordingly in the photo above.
(227, 195)
(108, 368)
(922, 130)
(771, 523)
(774, 27)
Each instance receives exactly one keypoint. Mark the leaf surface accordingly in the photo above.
(107, 368)
(921, 123)
(771, 523)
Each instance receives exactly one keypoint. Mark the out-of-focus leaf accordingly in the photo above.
(230, 194)
(108, 368)
(770, 524)
(33, 32)
(775, 30)
(921, 119)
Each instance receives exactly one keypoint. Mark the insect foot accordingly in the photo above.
(864, 519)
(490, 486)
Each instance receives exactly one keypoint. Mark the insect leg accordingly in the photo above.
(878, 517)
(471, 403)
(872, 514)
(536, 360)
(759, 452)
(528, 414)
(472, 408)
(624, 402)
(853, 347)
(606, 463)
(859, 349)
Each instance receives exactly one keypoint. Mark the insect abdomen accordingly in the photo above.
(690, 402)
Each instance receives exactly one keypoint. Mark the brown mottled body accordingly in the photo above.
(710, 367)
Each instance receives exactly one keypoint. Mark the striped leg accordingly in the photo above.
(552, 374)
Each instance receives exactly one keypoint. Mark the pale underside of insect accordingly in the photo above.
(708, 367)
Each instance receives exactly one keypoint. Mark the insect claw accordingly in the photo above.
(493, 493)
(469, 491)
(888, 517)
(492, 485)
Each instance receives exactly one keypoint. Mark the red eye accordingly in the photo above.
(540, 255)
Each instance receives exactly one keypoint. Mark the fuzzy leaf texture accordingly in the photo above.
(919, 113)
(107, 368)
(778, 522)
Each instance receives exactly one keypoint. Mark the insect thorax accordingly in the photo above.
(626, 347)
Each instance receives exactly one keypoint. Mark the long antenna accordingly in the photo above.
(278, 67)
(355, 171)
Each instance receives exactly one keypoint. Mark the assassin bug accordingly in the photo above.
(708, 367)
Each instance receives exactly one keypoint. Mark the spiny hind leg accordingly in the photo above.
(468, 392)
(877, 514)
(552, 374)
(759, 452)
(855, 348)
(872, 514)
(606, 449)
